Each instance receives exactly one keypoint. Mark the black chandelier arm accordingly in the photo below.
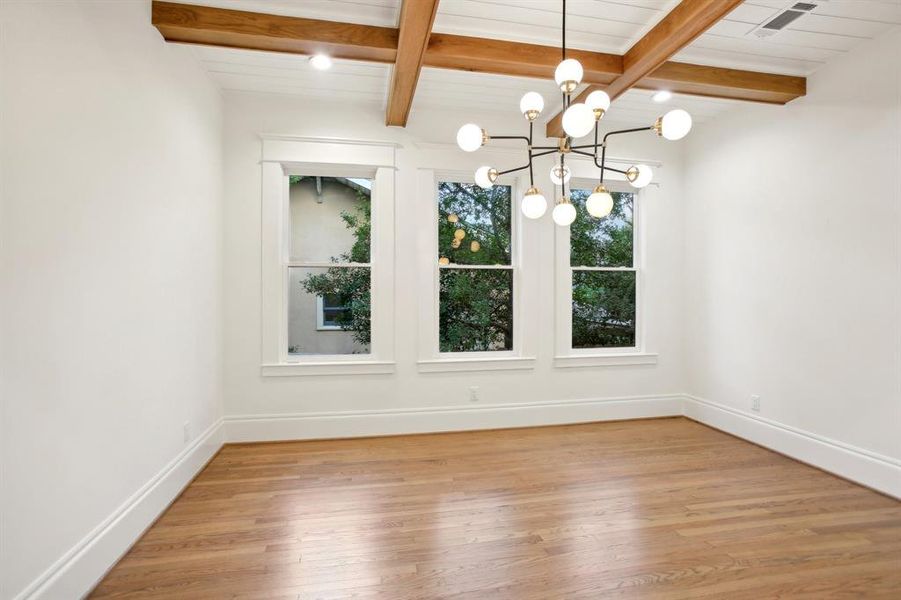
(635, 130)
(597, 144)
(509, 137)
(583, 153)
(544, 153)
(499, 173)
(529, 153)
(615, 170)
(563, 36)
(603, 154)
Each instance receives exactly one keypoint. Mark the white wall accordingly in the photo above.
(111, 269)
(793, 257)
(248, 393)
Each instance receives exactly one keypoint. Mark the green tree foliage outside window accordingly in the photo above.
(350, 286)
(475, 305)
(603, 302)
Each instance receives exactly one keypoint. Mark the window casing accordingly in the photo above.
(300, 271)
(470, 314)
(599, 302)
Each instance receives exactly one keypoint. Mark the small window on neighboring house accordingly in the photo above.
(333, 312)
(329, 266)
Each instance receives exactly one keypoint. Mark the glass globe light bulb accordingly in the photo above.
(558, 178)
(534, 204)
(639, 175)
(531, 105)
(599, 203)
(578, 120)
(470, 137)
(485, 177)
(568, 74)
(564, 213)
(674, 125)
(598, 101)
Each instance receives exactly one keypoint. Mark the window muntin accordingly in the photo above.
(329, 273)
(475, 279)
(604, 275)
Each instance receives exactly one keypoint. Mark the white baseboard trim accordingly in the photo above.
(871, 469)
(75, 573)
(327, 425)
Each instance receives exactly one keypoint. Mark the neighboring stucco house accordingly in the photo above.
(317, 235)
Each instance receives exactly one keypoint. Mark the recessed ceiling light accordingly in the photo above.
(662, 96)
(321, 62)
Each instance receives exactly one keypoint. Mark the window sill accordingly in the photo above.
(451, 365)
(362, 367)
(605, 360)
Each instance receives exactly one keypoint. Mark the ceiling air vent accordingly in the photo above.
(782, 19)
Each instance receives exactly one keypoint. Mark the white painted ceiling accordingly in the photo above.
(833, 28)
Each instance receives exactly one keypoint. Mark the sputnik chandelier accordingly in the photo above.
(578, 121)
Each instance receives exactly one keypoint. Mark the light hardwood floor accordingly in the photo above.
(662, 508)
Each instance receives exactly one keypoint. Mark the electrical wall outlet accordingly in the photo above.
(474, 394)
(755, 402)
(186, 431)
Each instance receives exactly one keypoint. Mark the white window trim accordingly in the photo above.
(522, 356)
(283, 156)
(565, 355)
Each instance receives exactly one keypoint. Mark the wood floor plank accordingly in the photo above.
(662, 508)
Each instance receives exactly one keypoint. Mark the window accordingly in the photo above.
(602, 261)
(598, 283)
(329, 288)
(475, 279)
(332, 312)
(327, 233)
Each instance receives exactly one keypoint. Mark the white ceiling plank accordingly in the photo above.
(548, 35)
(309, 79)
(870, 10)
(751, 13)
(350, 87)
(860, 28)
(528, 14)
(625, 12)
(772, 47)
(750, 62)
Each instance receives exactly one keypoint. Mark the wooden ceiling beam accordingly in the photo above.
(416, 18)
(211, 26)
(719, 82)
(688, 20)
(479, 55)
